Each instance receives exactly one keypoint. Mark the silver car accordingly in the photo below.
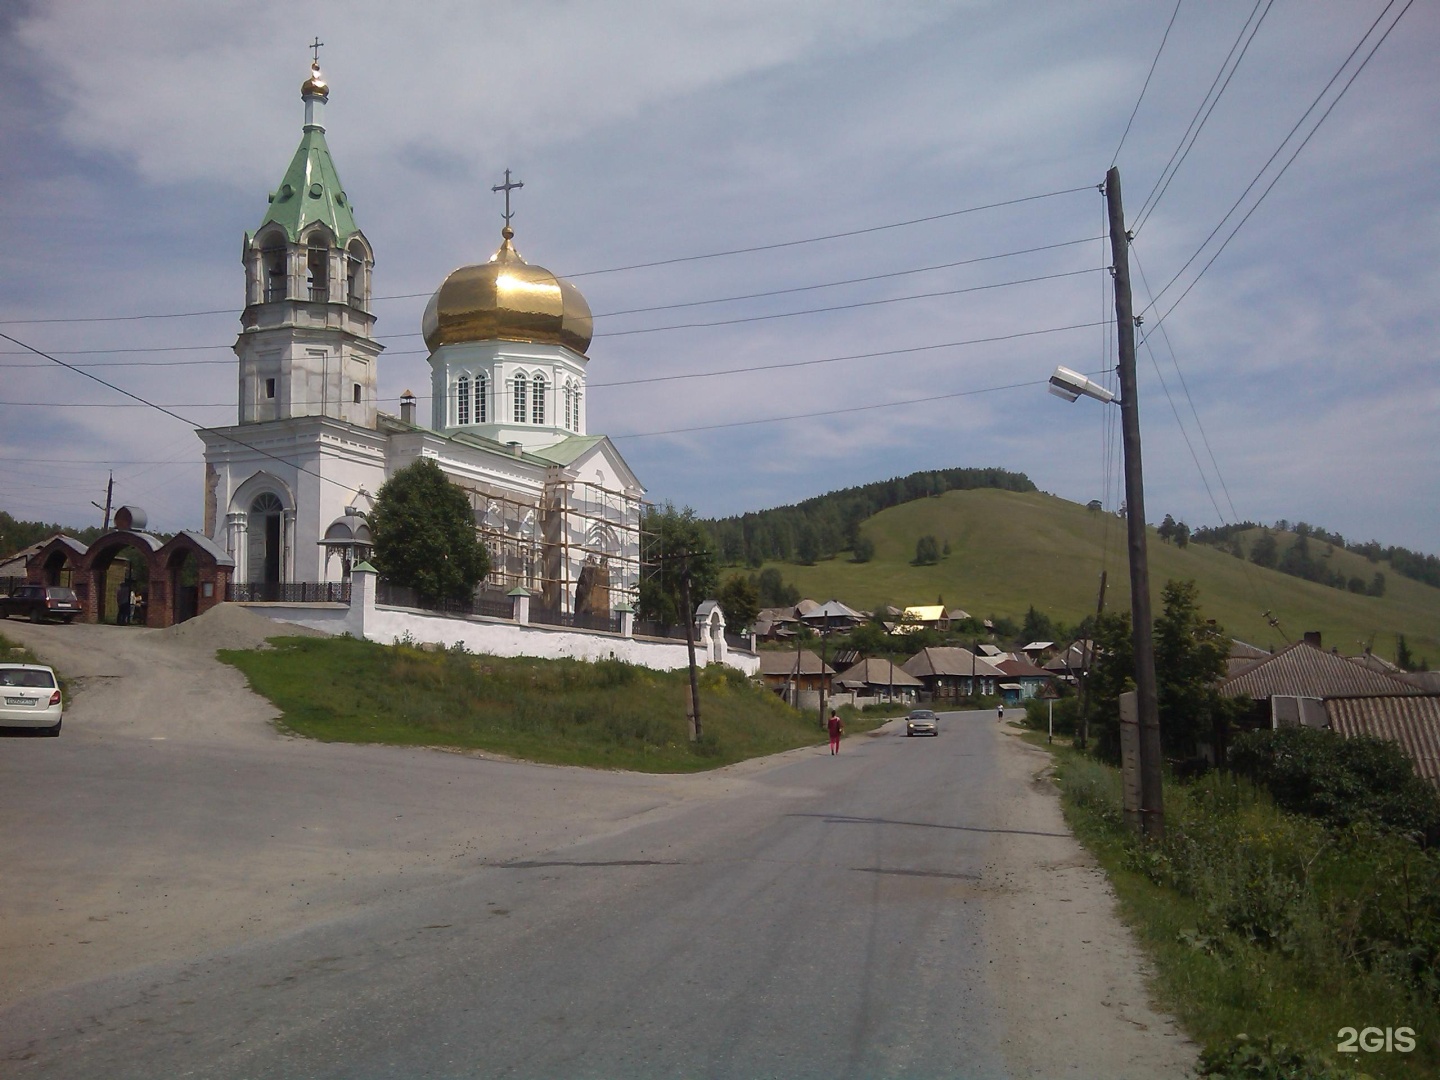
(30, 698)
(922, 722)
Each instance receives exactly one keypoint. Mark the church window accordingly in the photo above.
(537, 410)
(269, 388)
(482, 398)
(462, 401)
(355, 276)
(275, 274)
(357, 393)
(521, 389)
(317, 267)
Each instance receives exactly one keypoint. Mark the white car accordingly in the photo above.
(30, 698)
(922, 722)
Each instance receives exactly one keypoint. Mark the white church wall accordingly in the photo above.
(386, 625)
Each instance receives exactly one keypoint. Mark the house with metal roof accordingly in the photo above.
(879, 680)
(1412, 721)
(950, 673)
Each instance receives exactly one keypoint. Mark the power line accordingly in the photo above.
(611, 269)
(1164, 38)
(168, 412)
(1281, 146)
(1163, 184)
(845, 307)
(1270, 187)
(832, 412)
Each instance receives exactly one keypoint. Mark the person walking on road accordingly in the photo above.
(1000, 712)
(836, 730)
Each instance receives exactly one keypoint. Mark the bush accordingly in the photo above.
(1244, 1058)
(1067, 715)
(1342, 781)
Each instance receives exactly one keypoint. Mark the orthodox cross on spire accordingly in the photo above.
(507, 187)
(315, 47)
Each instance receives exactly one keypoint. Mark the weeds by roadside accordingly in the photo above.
(1268, 923)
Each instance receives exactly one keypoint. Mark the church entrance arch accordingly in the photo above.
(265, 537)
(182, 575)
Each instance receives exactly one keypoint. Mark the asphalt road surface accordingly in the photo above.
(187, 893)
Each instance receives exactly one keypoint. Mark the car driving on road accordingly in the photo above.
(41, 602)
(922, 722)
(30, 698)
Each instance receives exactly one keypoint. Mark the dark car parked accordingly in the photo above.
(41, 602)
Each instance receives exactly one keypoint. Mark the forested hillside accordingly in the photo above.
(821, 527)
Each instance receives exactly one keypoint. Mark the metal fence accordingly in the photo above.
(660, 630)
(580, 620)
(493, 605)
(288, 592)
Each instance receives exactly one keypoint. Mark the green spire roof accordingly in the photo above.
(311, 192)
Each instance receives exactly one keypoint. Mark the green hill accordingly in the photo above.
(1010, 550)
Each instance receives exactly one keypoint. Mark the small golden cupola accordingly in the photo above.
(507, 299)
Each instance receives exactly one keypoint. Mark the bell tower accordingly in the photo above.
(307, 345)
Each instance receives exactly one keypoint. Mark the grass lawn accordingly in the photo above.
(1296, 988)
(564, 712)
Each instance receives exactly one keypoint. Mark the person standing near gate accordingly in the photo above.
(122, 604)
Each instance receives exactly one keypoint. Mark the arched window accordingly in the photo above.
(482, 398)
(569, 404)
(521, 388)
(275, 274)
(537, 405)
(317, 268)
(264, 536)
(462, 401)
(355, 291)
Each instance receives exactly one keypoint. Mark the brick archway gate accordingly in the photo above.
(187, 575)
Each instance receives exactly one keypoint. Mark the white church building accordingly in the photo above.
(286, 487)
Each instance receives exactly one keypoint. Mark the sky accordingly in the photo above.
(879, 228)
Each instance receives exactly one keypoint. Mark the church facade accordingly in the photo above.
(287, 487)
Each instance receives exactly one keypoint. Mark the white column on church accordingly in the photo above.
(236, 535)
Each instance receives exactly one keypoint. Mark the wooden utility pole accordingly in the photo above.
(1152, 805)
(109, 493)
(688, 614)
(1087, 660)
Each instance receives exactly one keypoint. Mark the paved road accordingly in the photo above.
(908, 908)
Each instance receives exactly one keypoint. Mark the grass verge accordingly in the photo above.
(564, 712)
(1269, 925)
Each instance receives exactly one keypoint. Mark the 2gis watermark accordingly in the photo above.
(1374, 1040)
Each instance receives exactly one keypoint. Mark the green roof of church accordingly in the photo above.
(568, 449)
(311, 192)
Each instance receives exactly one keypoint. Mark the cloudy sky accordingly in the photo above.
(877, 226)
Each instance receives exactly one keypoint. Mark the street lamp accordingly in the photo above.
(1071, 385)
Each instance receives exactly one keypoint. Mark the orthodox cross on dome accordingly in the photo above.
(507, 187)
(315, 47)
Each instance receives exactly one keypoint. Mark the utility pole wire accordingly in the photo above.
(1288, 136)
(1163, 38)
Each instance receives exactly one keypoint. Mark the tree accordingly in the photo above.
(424, 533)
(1167, 529)
(927, 551)
(1377, 584)
(1037, 627)
(863, 550)
(1265, 551)
(1189, 662)
(774, 591)
(870, 639)
(674, 544)
(1404, 658)
(1182, 535)
(1112, 673)
(807, 545)
(1094, 506)
(740, 600)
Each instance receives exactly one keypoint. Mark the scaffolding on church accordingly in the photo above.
(577, 547)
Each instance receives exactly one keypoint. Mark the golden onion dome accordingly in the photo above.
(507, 299)
(315, 85)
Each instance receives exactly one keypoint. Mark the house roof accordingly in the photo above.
(956, 614)
(1429, 681)
(1021, 668)
(949, 660)
(926, 612)
(1371, 662)
(785, 663)
(805, 607)
(833, 609)
(877, 672)
(1302, 670)
(1243, 650)
(1037, 646)
(1072, 657)
(991, 650)
(1411, 721)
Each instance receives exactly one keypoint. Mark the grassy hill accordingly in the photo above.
(1009, 550)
